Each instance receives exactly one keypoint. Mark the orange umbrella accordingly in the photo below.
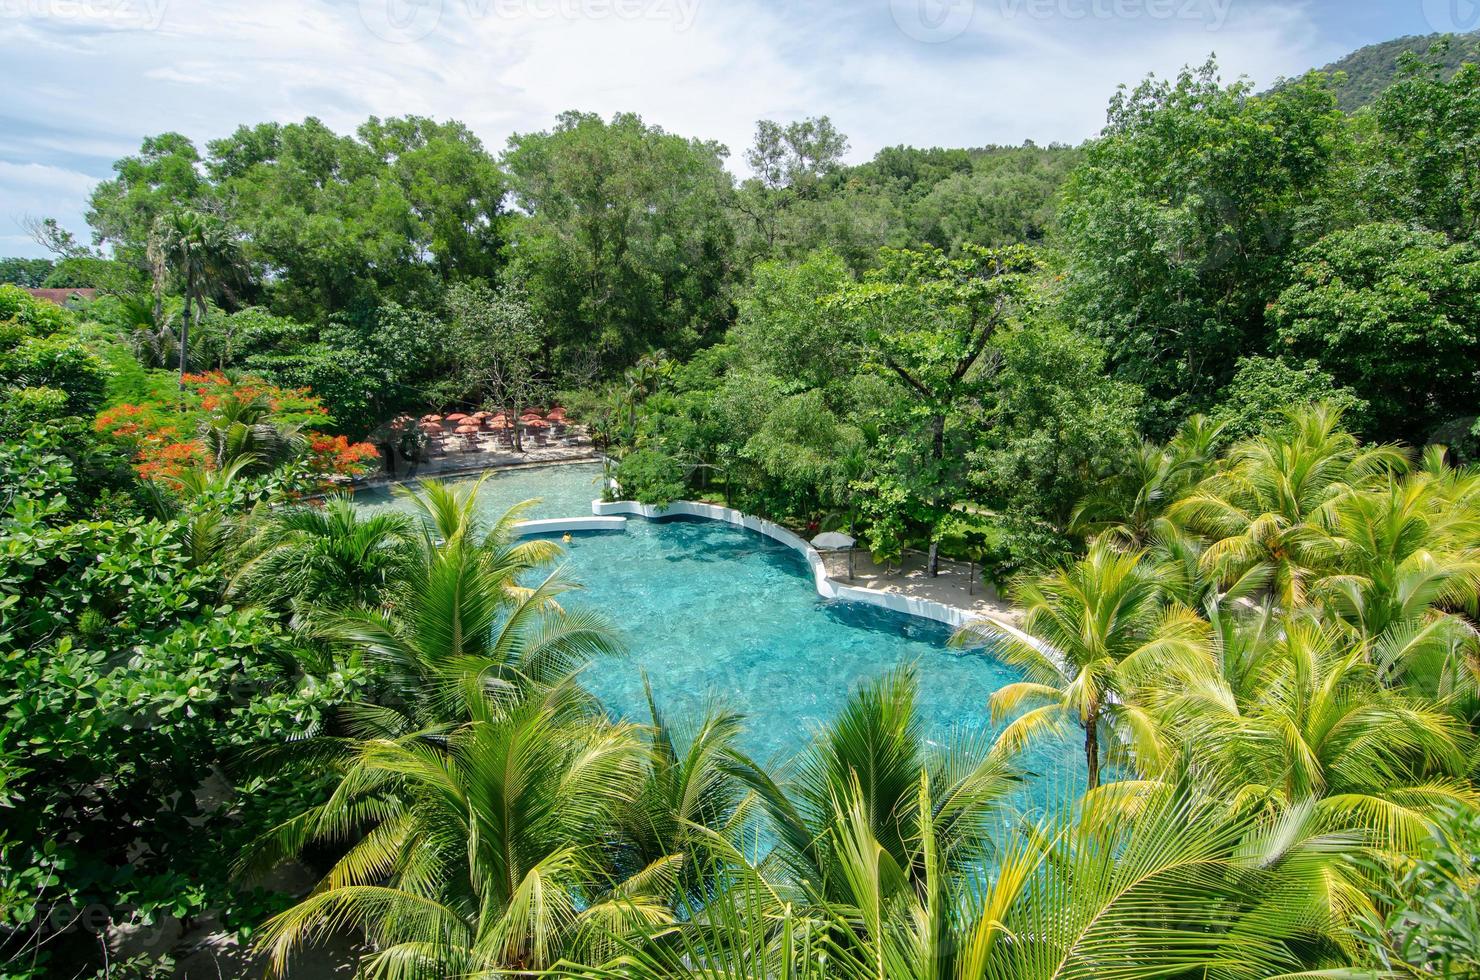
(499, 424)
(431, 426)
(536, 424)
(456, 417)
(481, 415)
(431, 418)
(466, 430)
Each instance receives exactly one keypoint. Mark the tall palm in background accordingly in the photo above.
(1098, 630)
(202, 252)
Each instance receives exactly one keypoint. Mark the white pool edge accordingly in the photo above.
(827, 587)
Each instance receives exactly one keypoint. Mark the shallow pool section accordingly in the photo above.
(562, 491)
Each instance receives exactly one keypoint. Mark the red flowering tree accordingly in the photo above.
(164, 437)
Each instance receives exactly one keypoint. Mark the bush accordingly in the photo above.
(650, 476)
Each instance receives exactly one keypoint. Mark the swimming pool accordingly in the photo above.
(717, 613)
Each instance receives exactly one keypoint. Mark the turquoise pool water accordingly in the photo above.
(714, 613)
(563, 491)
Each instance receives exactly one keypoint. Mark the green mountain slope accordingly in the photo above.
(1371, 69)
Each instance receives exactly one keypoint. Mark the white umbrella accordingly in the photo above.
(832, 541)
(836, 541)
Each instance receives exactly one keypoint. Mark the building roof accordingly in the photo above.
(62, 296)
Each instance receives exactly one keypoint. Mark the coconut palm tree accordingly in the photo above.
(1095, 631)
(244, 427)
(1403, 559)
(1294, 713)
(1267, 512)
(460, 615)
(1176, 884)
(476, 854)
(873, 757)
(1130, 505)
(201, 250)
(328, 556)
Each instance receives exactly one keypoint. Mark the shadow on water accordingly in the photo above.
(709, 541)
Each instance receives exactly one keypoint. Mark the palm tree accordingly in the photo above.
(1096, 630)
(1131, 504)
(209, 506)
(872, 759)
(460, 619)
(474, 853)
(1294, 713)
(1268, 510)
(690, 793)
(327, 556)
(1169, 882)
(241, 427)
(1403, 558)
(201, 250)
(643, 380)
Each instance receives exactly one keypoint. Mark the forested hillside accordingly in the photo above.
(1371, 69)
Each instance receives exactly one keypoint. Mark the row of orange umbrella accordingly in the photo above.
(469, 424)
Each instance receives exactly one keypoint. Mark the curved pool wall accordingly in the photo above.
(826, 587)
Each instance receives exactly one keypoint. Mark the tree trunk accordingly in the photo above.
(938, 454)
(1092, 748)
(184, 345)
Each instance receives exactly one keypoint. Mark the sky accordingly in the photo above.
(86, 80)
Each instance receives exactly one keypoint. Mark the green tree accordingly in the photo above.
(785, 330)
(201, 251)
(24, 272)
(1420, 165)
(1267, 510)
(928, 321)
(625, 245)
(1265, 390)
(1390, 312)
(1179, 223)
(1098, 630)
(328, 556)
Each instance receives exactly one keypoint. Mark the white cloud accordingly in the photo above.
(1017, 69)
